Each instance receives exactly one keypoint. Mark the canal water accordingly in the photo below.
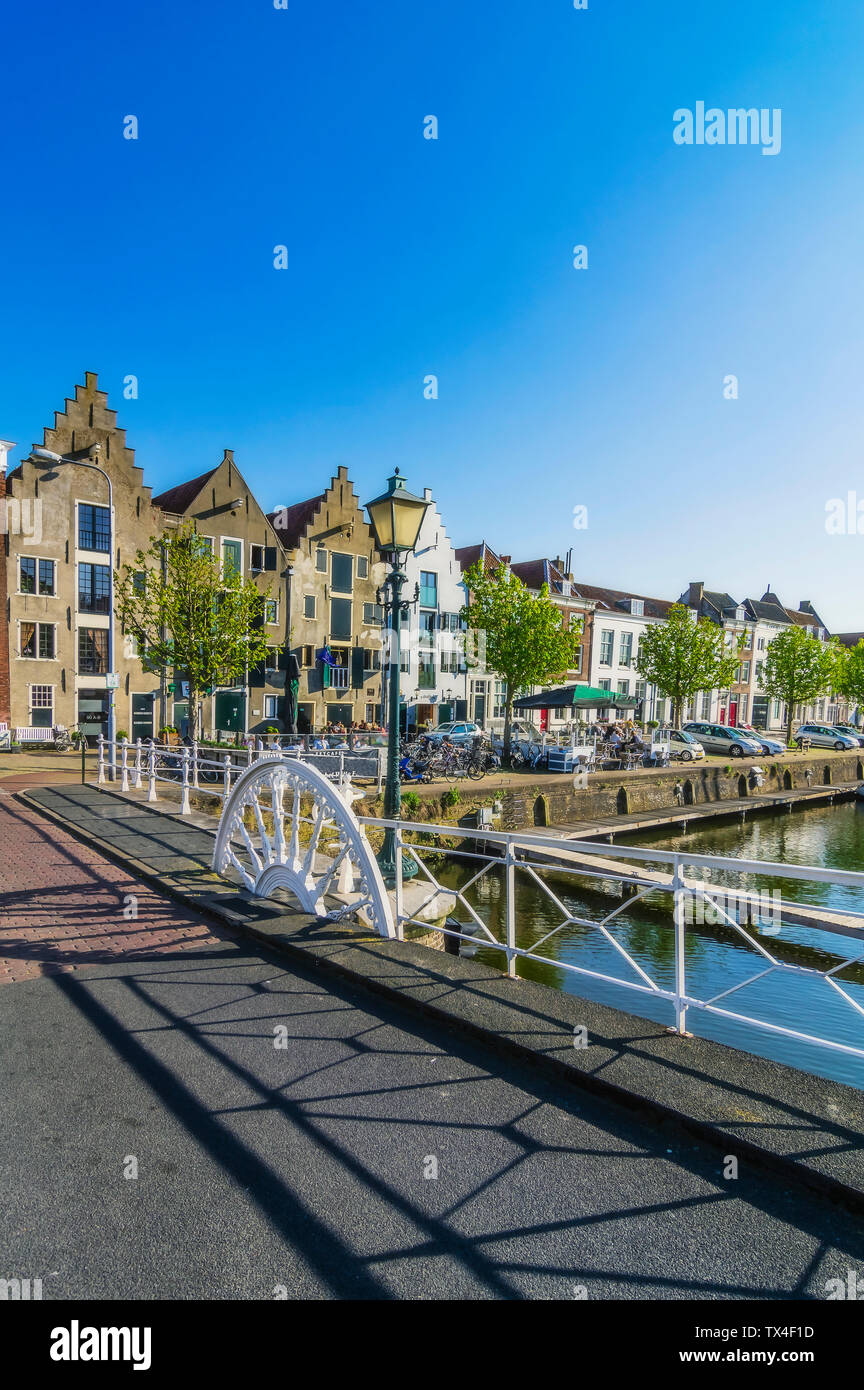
(716, 957)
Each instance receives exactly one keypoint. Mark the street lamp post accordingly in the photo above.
(48, 456)
(396, 517)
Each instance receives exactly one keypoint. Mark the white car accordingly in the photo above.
(683, 747)
(825, 736)
(456, 730)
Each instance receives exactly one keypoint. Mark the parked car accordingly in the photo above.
(457, 730)
(720, 738)
(852, 732)
(773, 746)
(684, 747)
(825, 736)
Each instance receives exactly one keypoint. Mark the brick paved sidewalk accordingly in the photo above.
(63, 906)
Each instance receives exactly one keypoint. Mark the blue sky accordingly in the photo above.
(557, 387)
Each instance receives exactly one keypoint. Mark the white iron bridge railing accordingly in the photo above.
(287, 820)
(645, 874)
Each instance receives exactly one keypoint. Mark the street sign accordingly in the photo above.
(112, 680)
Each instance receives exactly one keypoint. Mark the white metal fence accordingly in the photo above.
(199, 767)
(520, 857)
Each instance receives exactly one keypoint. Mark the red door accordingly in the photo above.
(544, 717)
(733, 712)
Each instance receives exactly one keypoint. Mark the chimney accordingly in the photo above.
(697, 589)
(805, 606)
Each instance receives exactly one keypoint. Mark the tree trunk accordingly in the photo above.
(508, 719)
(193, 713)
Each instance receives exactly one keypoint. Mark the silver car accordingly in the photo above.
(719, 738)
(825, 736)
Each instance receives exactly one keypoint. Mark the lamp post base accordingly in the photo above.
(386, 858)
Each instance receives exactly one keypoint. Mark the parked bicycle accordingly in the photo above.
(64, 738)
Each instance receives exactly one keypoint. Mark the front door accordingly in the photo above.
(230, 711)
(142, 717)
(93, 713)
(733, 712)
(480, 710)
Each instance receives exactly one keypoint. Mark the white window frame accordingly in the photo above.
(271, 622)
(234, 540)
(37, 625)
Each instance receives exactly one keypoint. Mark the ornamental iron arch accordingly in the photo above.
(286, 825)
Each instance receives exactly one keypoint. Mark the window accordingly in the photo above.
(744, 673)
(94, 588)
(660, 712)
(578, 666)
(362, 567)
(93, 650)
(426, 671)
(41, 706)
(27, 575)
(373, 614)
(307, 657)
(342, 573)
(271, 611)
(256, 557)
(232, 556)
(706, 705)
(139, 582)
(760, 645)
(309, 606)
(37, 641)
(428, 589)
(605, 684)
(340, 619)
(742, 707)
(623, 687)
(625, 650)
(271, 706)
(371, 659)
(607, 640)
(94, 528)
(499, 700)
(321, 561)
(29, 568)
(46, 577)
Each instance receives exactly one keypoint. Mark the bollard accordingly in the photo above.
(101, 777)
(83, 758)
(249, 751)
(124, 766)
(151, 772)
(185, 808)
(227, 786)
(137, 783)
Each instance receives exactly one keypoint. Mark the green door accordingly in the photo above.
(231, 711)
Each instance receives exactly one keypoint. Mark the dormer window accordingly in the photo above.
(740, 615)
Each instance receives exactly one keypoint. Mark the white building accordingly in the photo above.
(435, 683)
(620, 619)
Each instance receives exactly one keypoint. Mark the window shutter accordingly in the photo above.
(269, 557)
(357, 667)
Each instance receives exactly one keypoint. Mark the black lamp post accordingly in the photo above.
(396, 517)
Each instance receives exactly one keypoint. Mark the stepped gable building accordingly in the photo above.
(334, 615)
(223, 509)
(61, 545)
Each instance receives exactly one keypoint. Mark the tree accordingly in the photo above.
(683, 657)
(191, 614)
(520, 636)
(797, 668)
(848, 674)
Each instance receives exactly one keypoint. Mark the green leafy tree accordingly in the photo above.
(684, 657)
(191, 615)
(798, 668)
(518, 635)
(848, 675)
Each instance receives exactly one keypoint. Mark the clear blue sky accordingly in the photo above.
(406, 257)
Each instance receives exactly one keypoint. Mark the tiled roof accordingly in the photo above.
(535, 573)
(290, 523)
(468, 555)
(850, 639)
(611, 599)
(178, 499)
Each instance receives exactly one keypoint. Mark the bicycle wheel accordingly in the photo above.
(476, 770)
